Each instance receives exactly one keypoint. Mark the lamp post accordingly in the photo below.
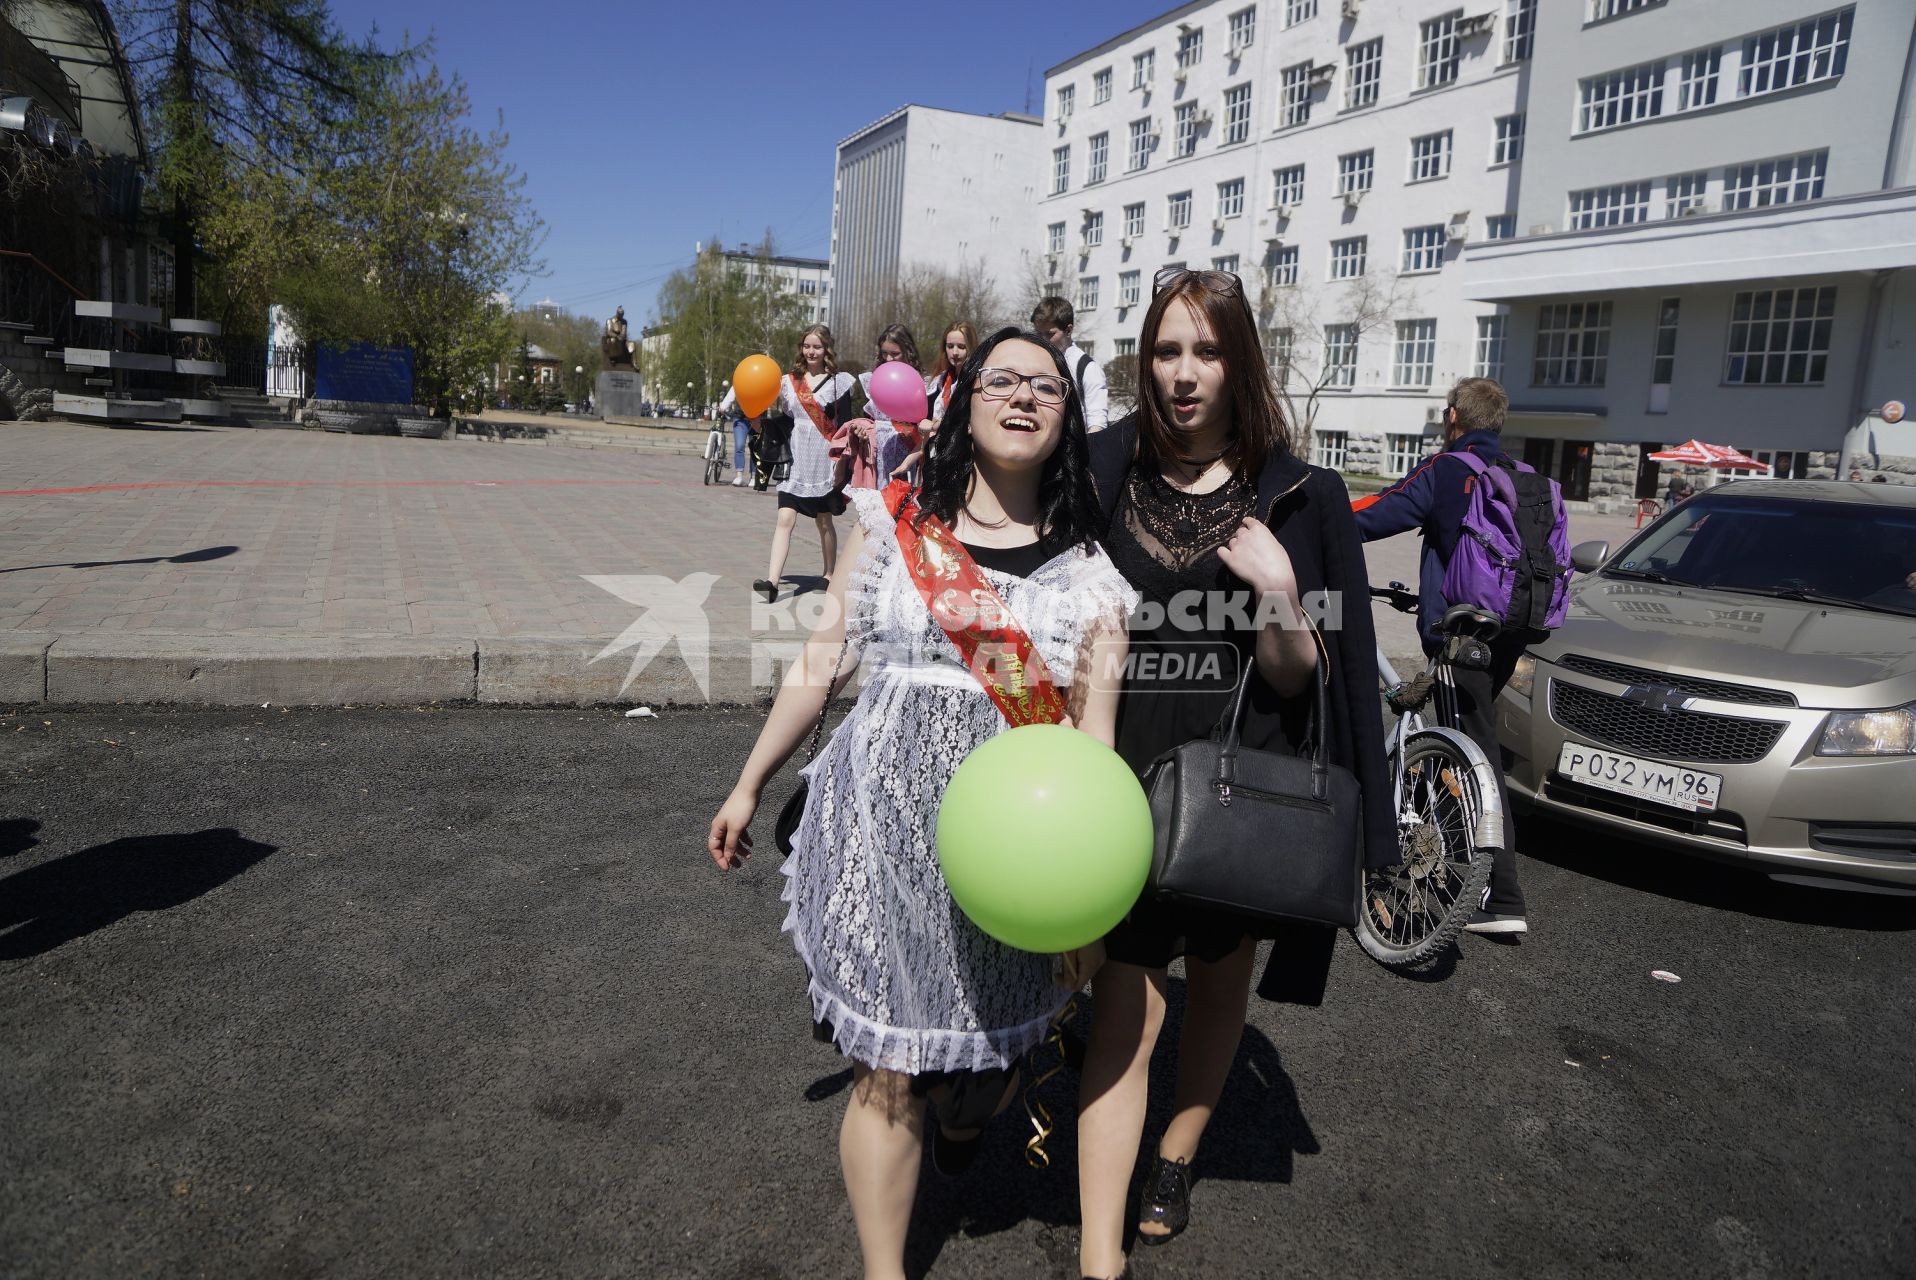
(688, 400)
(578, 371)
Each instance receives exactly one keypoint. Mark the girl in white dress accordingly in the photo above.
(819, 399)
(923, 1003)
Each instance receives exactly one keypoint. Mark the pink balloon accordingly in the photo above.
(899, 391)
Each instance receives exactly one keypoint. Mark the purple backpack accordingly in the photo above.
(1513, 552)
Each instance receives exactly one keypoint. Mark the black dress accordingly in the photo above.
(1165, 543)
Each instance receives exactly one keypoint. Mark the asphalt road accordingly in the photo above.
(347, 993)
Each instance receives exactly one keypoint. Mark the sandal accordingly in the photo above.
(767, 588)
(1166, 1201)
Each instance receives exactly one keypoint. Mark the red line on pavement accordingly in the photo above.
(302, 484)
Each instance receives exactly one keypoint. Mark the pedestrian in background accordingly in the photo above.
(1054, 320)
(818, 397)
(959, 341)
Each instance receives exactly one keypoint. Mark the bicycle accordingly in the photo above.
(715, 445)
(1445, 795)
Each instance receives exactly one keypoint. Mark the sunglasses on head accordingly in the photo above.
(1220, 282)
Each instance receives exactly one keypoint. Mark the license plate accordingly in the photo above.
(1669, 784)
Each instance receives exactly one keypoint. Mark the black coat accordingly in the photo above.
(1309, 511)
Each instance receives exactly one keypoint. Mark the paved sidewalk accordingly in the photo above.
(237, 565)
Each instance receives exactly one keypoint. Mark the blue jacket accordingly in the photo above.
(1430, 498)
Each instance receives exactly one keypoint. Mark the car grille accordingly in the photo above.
(1677, 735)
(1887, 841)
(1721, 690)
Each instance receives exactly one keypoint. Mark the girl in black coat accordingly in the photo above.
(1205, 501)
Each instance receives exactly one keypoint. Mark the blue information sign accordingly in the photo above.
(362, 371)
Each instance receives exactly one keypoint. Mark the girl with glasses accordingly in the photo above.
(929, 1009)
(1205, 502)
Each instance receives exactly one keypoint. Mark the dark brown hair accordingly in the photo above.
(943, 366)
(1480, 404)
(824, 333)
(1261, 431)
(907, 345)
(1053, 313)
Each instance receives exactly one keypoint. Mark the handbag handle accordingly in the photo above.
(1230, 728)
(825, 704)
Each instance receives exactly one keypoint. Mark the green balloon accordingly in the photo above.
(1044, 837)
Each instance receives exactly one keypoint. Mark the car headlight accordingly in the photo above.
(1870, 733)
(1524, 678)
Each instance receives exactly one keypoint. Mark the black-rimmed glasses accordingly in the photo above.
(1001, 384)
(1221, 282)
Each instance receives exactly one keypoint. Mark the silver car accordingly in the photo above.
(1738, 681)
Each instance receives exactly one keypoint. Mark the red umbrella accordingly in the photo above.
(1698, 454)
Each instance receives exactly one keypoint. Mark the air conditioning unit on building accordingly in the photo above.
(1051, 263)
(1273, 242)
(1180, 76)
(1481, 24)
(1321, 73)
(1203, 119)
(1351, 7)
(1433, 414)
(1282, 210)
(1459, 228)
(1125, 243)
(1217, 224)
(1353, 198)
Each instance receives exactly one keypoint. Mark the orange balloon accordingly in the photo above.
(756, 381)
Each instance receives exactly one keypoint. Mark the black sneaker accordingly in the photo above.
(766, 588)
(1482, 921)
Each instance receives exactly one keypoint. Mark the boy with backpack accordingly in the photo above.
(1494, 537)
(1053, 319)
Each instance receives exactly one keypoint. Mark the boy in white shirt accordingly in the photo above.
(1054, 319)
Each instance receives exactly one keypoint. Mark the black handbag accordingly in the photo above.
(794, 811)
(1253, 833)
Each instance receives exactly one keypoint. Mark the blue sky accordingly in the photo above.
(645, 127)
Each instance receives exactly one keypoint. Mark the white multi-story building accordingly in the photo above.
(809, 278)
(926, 187)
(1718, 234)
(1336, 155)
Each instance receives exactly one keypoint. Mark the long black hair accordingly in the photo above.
(1067, 499)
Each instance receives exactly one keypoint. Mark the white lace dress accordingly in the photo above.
(904, 980)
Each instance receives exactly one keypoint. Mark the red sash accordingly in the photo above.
(809, 403)
(998, 652)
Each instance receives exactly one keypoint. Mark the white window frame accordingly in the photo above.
(1430, 156)
(1296, 11)
(1487, 357)
(1287, 185)
(1060, 169)
(1225, 262)
(1144, 69)
(1423, 249)
(1134, 220)
(1620, 205)
(1683, 192)
(1520, 30)
(1067, 101)
(1620, 97)
(1573, 344)
(1123, 347)
(1777, 337)
(1280, 349)
(1500, 226)
(1601, 10)
(1330, 449)
(1243, 29)
(1440, 52)
(1758, 184)
(1177, 211)
(1698, 74)
(1801, 53)
(1093, 230)
(1190, 48)
(1237, 114)
(1508, 147)
(1350, 256)
(1139, 156)
(1414, 354)
(1087, 294)
(1356, 171)
(1282, 269)
(1294, 105)
(1363, 73)
(1663, 353)
(1340, 355)
(1054, 238)
(1184, 130)
(1403, 450)
(1100, 86)
(1230, 198)
(1130, 287)
(1097, 158)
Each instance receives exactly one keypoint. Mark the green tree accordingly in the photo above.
(573, 339)
(720, 310)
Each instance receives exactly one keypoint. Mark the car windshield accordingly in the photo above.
(1841, 553)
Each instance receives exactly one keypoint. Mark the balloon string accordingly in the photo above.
(1040, 1116)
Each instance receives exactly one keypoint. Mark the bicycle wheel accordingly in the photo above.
(714, 460)
(1412, 911)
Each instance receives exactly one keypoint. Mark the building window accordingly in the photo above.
(1354, 171)
(1520, 29)
(808, 287)
(1129, 284)
(1683, 194)
(1801, 53)
(1144, 69)
(1403, 450)
(1430, 156)
(1067, 100)
(1225, 262)
(1087, 294)
(1363, 72)
(1125, 348)
(1287, 186)
(1616, 206)
(1243, 29)
(1696, 79)
(1296, 11)
(1663, 362)
(1606, 101)
(1133, 220)
(1100, 153)
(1416, 353)
(1780, 337)
(1093, 230)
(1190, 48)
(1439, 53)
(1488, 359)
(1184, 131)
(1784, 180)
(1347, 257)
(1573, 344)
(1278, 347)
(1230, 198)
(1340, 355)
(1601, 9)
(1054, 238)
(1140, 153)
(1331, 448)
(1500, 226)
(1060, 169)
(1424, 248)
(1101, 86)
(1283, 270)
(1177, 210)
(1296, 108)
(1237, 114)
(1509, 145)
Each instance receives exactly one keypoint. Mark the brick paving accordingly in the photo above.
(373, 536)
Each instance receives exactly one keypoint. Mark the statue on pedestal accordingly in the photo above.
(614, 345)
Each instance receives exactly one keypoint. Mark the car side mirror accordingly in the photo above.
(1586, 556)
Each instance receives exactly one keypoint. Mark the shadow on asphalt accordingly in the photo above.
(1705, 882)
(185, 557)
(51, 904)
(17, 835)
